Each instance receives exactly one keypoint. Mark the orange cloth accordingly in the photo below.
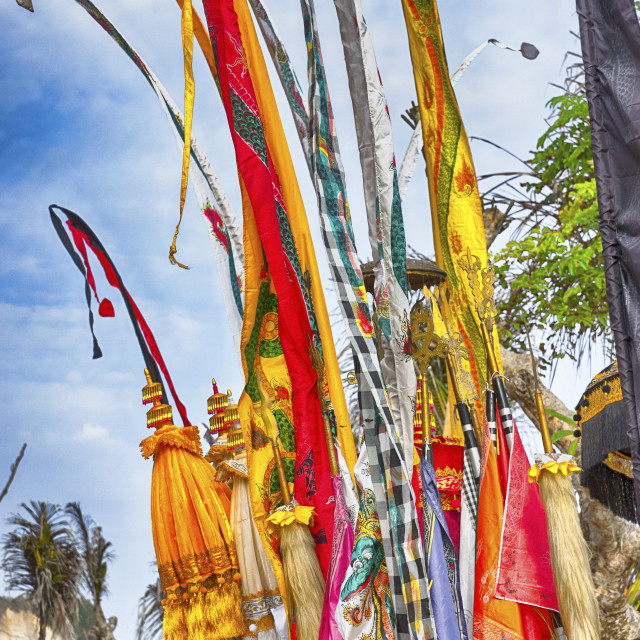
(192, 538)
(492, 617)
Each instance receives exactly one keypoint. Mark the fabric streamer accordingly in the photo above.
(570, 553)
(237, 52)
(492, 616)
(298, 233)
(524, 567)
(456, 210)
(365, 608)
(415, 147)
(305, 584)
(221, 221)
(391, 481)
(342, 527)
(83, 236)
(263, 358)
(287, 75)
(384, 216)
(610, 38)
(262, 603)
(371, 578)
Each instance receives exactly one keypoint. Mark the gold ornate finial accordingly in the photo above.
(160, 414)
(426, 344)
(217, 402)
(152, 392)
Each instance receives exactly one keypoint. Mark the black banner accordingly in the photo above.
(610, 35)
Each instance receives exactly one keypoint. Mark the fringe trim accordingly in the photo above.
(214, 615)
(183, 437)
(569, 559)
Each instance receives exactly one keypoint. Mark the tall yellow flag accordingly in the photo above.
(456, 211)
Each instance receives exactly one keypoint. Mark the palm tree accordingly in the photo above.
(150, 613)
(96, 552)
(40, 560)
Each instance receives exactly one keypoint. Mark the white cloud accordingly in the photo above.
(93, 433)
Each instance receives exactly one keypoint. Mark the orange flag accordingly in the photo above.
(492, 617)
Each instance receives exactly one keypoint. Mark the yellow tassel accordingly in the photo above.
(216, 615)
(569, 559)
(303, 577)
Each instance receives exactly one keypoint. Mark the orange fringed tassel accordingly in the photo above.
(215, 615)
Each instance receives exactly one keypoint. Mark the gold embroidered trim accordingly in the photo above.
(215, 582)
(448, 440)
(263, 624)
(192, 567)
(597, 398)
(450, 501)
(449, 479)
(171, 436)
(619, 462)
(260, 594)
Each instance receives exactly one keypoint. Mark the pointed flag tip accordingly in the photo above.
(26, 4)
(529, 51)
(106, 308)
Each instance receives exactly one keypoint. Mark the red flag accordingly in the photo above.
(524, 570)
(235, 46)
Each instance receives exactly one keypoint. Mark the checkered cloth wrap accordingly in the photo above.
(384, 217)
(506, 417)
(394, 496)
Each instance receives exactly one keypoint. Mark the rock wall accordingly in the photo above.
(21, 625)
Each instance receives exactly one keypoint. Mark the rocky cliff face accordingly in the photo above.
(21, 625)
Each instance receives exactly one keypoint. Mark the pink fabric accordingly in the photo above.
(524, 568)
(339, 563)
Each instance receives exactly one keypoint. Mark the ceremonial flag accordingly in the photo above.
(610, 37)
(524, 570)
(391, 481)
(493, 617)
(442, 560)
(456, 211)
(287, 75)
(83, 237)
(266, 183)
(384, 216)
(365, 608)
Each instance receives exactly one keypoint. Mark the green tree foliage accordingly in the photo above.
(150, 613)
(96, 553)
(550, 276)
(41, 562)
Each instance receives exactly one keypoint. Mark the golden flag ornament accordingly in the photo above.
(194, 547)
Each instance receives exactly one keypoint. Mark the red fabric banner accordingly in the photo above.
(312, 485)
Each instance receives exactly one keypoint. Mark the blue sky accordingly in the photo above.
(80, 127)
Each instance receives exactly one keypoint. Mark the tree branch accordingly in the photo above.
(520, 385)
(14, 468)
